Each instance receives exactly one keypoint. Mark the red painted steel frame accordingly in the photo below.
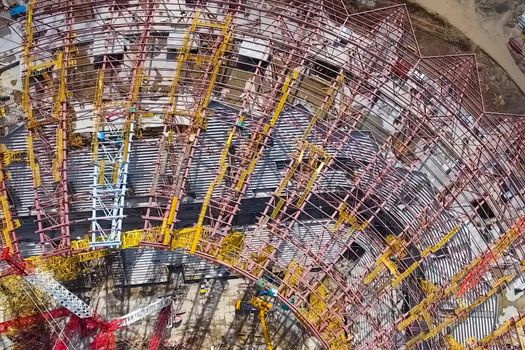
(426, 158)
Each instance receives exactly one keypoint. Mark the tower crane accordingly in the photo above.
(46, 283)
(163, 322)
(27, 321)
(105, 339)
(78, 309)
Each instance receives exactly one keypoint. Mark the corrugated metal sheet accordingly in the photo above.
(404, 204)
(22, 182)
(144, 266)
(478, 324)
(359, 147)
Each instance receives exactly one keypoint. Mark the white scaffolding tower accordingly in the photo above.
(110, 181)
(114, 128)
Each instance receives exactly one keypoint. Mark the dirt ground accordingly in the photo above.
(472, 26)
(500, 91)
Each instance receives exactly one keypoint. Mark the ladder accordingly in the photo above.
(114, 130)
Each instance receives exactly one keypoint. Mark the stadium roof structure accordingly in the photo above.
(293, 143)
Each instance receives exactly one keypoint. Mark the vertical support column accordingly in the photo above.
(9, 224)
(242, 170)
(49, 132)
(176, 183)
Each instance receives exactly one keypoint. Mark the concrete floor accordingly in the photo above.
(487, 30)
(510, 302)
(209, 320)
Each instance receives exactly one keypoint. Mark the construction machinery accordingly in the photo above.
(263, 307)
(258, 306)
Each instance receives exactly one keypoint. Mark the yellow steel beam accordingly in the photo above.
(181, 58)
(7, 220)
(55, 63)
(115, 172)
(223, 166)
(293, 274)
(325, 158)
(263, 307)
(327, 103)
(27, 44)
(97, 105)
(216, 59)
(61, 93)
(505, 328)
(442, 242)
(277, 208)
(168, 221)
(521, 336)
(396, 248)
(344, 217)
(398, 279)
(59, 154)
(29, 27)
(212, 25)
(199, 117)
(101, 171)
(288, 176)
(35, 168)
(285, 90)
